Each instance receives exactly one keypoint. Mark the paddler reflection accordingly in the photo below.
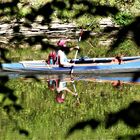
(61, 88)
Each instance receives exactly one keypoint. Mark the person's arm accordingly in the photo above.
(73, 48)
(66, 64)
(69, 91)
(62, 87)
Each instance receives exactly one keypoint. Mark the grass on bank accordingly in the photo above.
(90, 48)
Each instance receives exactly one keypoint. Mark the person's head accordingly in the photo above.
(60, 98)
(116, 84)
(62, 43)
(52, 84)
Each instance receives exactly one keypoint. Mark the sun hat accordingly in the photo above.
(62, 43)
(59, 99)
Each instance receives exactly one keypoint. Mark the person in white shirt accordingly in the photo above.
(61, 55)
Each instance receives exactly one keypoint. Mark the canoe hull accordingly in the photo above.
(41, 67)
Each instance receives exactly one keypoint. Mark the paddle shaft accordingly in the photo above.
(77, 98)
(72, 69)
(79, 39)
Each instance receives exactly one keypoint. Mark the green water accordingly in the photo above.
(43, 118)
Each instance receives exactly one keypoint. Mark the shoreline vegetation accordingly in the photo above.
(28, 108)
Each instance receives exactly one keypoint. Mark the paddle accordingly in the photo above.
(77, 98)
(79, 39)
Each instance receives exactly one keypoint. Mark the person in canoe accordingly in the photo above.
(117, 60)
(59, 57)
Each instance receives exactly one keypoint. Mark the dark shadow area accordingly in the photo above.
(12, 8)
(136, 77)
(3, 52)
(23, 132)
(110, 29)
(46, 11)
(83, 124)
(8, 94)
(132, 30)
(129, 137)
(85, 35)
(130, 116)
(95, 9)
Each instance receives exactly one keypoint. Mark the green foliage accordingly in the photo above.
(23, 10)
(127, 48)
(125, 2)
(123, 18)
(26, 54)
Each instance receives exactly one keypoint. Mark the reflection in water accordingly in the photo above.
(124, 77)
(58, 81)
(60, 85)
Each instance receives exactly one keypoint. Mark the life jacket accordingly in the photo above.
(52, 58)
(53, 84)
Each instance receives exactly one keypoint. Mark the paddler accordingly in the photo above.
(61, 88)
(59, 56)
(117, 60)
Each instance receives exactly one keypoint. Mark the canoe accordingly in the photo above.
(87, 65)
(101, 60)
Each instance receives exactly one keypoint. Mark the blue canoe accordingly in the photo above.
(95, 66)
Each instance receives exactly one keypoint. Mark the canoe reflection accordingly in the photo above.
(58, 82)
(56, 79)
(60, 85)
